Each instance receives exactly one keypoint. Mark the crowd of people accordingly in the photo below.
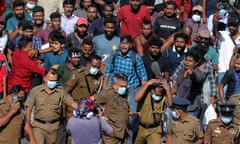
(120, 72)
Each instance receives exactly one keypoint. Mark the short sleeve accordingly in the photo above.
(199, 130)
(107, 129)
(31, 99)
(227, 77)
(67, 99)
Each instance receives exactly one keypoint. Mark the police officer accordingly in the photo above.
(116, 108)
(223, 131)
(85, 81)
(46, 100)
(11, 116)
(151, 105)
(184, 128)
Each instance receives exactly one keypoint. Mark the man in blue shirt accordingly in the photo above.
(105, 44)
(123, 62)
(19, 15)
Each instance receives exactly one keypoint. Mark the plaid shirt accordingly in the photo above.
(73, 41)
(124, 65)
(207, 71)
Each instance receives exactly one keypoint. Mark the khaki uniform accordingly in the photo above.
(47, 112)
(79, 86)
(116, 111)
(11, 132)
(235, 99)
(218, 133)
(150, 130)
(187, 131)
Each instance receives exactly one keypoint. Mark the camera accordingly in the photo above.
(15, 99)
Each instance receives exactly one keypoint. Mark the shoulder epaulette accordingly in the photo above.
(81, 69)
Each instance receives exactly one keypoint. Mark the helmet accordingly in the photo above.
(85, 108)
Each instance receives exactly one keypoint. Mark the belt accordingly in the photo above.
(47, 122)
(147, 126)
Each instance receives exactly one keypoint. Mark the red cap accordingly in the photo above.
(81, 21)
(1, 19)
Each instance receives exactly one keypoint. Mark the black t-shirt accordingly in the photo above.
(229, 79)
(163, 65)
(165, 27)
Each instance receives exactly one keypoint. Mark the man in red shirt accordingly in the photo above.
(132, 16)
(23, 66)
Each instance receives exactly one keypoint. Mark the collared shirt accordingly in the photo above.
(124, 64)
(185, 132)
(36, 41)
(68, 24)
(73, 41)
(174, 58)
(22, 69)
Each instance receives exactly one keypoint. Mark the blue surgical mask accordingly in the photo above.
(122, 90)
(196, 18)
(93, 71)
(222, 12)
(156, 98)
(226, 120)
(51, 84)
(30, 6)
(174, 115)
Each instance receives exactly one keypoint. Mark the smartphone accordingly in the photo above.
(15, 99)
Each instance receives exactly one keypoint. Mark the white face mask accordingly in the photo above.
(196, 18)
(51, 84)
(30, 6)
(156, 98)
(93, 71)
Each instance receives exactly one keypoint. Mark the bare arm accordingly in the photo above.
(169, 139)
(28, 127)
(199, 141)
(139, 47)
(105, 82)
(204, 11)
(5, 119)
(221, 92)
(168, 43)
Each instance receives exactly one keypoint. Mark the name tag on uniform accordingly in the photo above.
(233, 132)
(217, 130)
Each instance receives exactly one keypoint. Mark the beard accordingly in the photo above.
(82, 34)
(20, 17)
(109, 35)
(135, 9)
(155, 55)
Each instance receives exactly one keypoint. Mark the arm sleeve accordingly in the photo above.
(107, 129)
(141, 70)
(67, 99)
(109, 67)
(35, 67)
(214, 57)
(227, 77)
(213, 87)
(30, 102)
(73, 79)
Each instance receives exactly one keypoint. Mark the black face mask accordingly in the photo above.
(134, 9)
(20, 17)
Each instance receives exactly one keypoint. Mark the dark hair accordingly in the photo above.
(38, 9)
(72, 50)
(126, 37)
(81, 1)
(55, 15)
(24, 40)
(181, 35)
(18, 3)
(194, 54)
(159, 7)
(87, 41)
(96, 57)
(149, 2)
(16, 89)
(56, 35)
(146, 22)
(107, 5)
(201, 50)
(52, 71)
(120, 76)
(171, 3)
(110, 20)
(93, 6)
(26, 25)
(68, 2)
(155, 41)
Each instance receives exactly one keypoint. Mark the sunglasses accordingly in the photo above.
(203, 38)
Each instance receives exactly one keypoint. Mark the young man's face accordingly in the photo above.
(96, 63)
(87, 50)
(125, 46)
(179, 44)
(154, 50)
(146, 29)
(56, 45)
(190, 62)
(107, 12)
(28, 33)
(38, 18)
(56, 23)
(68, 9)
(109, 29)
(29, 47)
(233, 28)
(135, 5)
(19, 12)
(74, 60)
(92, 13)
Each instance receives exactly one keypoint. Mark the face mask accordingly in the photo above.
(222, 12)
(196, 18)
(93, 71)
(51, 84)
(174, 115)
(226, 120)
(122, 90)
(30, 6)
(156, 98)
